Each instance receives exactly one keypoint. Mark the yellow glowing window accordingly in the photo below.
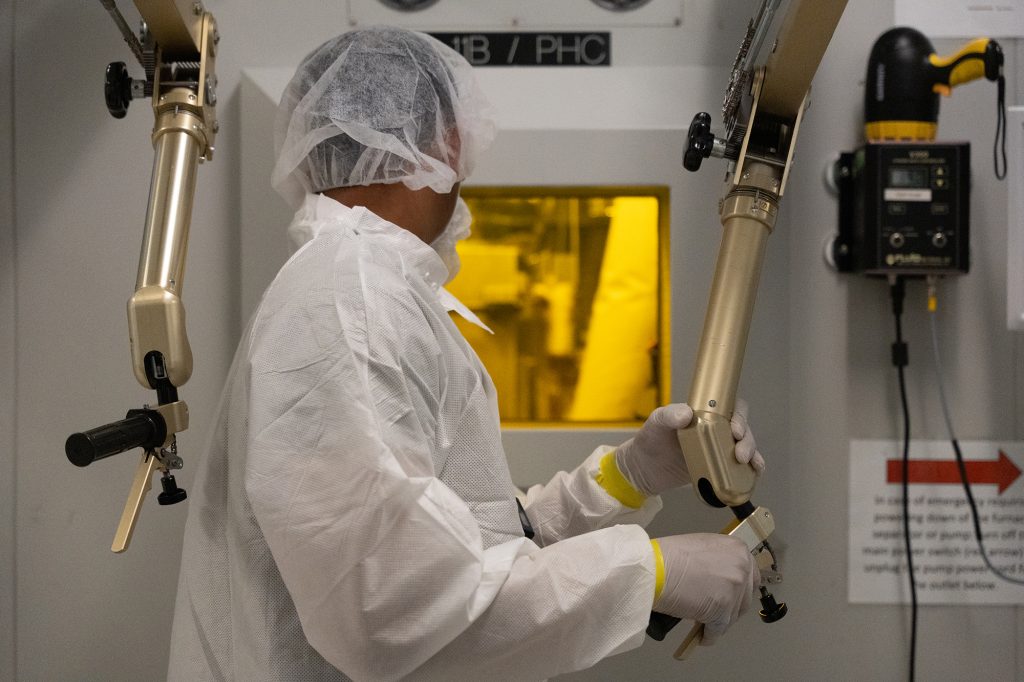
(573, 282)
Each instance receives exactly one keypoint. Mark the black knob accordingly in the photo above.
(771, 610)
(699, 141)
(172, 494)
(117, 89)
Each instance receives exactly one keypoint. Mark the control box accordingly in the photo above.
(904, 209)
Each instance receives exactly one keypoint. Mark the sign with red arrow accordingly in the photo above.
(1001, 472)
(948, 568)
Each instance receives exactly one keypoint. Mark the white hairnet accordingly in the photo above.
(379, 105)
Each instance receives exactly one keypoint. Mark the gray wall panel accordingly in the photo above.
(8, 330)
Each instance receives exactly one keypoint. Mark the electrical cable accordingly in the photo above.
(900, 358)
(1000, 127)
(932, 308)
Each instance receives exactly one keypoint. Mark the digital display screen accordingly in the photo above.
(908, 177)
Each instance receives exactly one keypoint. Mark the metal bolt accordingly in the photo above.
(216, 126)
(211, 90)
(197, 8)
(712, 403)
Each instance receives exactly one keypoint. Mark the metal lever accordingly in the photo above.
(754, 531)
(140, 486)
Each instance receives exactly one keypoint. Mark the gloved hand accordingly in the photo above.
(653, 461)
(709, 578)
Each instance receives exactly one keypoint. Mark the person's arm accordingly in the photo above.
(621, 485)
(385, 563)
(592, 496)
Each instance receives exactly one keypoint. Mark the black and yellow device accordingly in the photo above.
(177, 48)
(906, 77)
(904, 199)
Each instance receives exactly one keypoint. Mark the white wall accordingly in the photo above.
(73, 187)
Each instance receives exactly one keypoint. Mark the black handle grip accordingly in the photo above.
(140, 428)
(660, 624)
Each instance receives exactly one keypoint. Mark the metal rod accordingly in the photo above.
(126, 30)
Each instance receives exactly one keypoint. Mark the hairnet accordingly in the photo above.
(379, 105)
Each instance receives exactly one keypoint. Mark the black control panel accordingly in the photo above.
(903, 209)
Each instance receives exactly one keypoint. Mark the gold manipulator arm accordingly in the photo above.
(177, 50)
(762, 124)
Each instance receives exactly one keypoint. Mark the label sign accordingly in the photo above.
(948, 567)
(531, 49)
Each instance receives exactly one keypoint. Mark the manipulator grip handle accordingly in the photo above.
(140, 428)
(709, 449)
(660, 624)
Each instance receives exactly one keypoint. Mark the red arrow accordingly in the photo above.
(1002, 472)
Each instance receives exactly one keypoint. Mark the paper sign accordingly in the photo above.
(948, 566)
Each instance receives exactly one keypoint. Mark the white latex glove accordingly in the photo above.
(709, 578)
(746, 447)
(653, 461)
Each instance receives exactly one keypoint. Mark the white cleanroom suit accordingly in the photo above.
(353, 517)
(354, 511)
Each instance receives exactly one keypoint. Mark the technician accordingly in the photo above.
(354, 517)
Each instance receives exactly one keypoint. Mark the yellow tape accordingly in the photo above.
(659, 569)
(615, 484)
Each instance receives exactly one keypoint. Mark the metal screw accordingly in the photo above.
(712, 403)
(216, 126)
(211, 90)
(197, 8)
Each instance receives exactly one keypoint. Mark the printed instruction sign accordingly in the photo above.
(948, 566)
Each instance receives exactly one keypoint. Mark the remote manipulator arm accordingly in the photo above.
(176, 47)
(762, 112)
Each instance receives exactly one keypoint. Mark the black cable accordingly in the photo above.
(1000, 127)
(900, 359)
(974, 516)
(961, 466)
